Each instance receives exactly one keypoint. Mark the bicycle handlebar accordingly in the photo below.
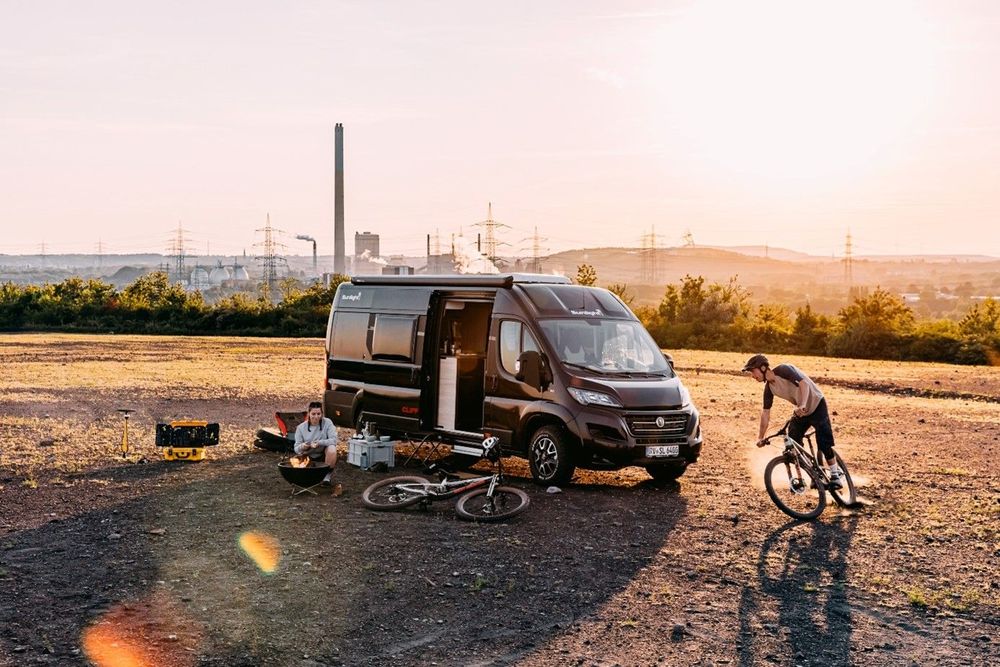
(782, 431)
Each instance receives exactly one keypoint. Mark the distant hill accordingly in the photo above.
(772, 253)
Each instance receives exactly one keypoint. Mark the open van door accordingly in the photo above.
(459, 341)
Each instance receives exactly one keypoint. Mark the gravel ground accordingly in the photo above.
(103, 559)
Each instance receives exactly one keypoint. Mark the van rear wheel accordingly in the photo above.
(549, 456)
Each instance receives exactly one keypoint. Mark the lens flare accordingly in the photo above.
(108, 646)
(152, 632)
(263, 550)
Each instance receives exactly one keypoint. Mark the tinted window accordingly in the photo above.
(514, 339)
(576, 300)
(605, 346)
(350, 335)
(393, 338)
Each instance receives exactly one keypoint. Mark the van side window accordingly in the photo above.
(350, 335)
(393, 338)
(514, 339)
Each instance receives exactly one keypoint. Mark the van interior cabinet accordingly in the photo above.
(460, 392)
(447, 392)
(469, 406)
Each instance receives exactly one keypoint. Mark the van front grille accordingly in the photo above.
(658, 425)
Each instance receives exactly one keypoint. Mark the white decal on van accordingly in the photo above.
(595, 313)
(350, 297)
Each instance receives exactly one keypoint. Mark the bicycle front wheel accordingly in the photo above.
(794, 489)
(846, 495)
(393, 494)
(506, 502)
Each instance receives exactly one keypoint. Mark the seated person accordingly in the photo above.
(316, 438)
(573, 349)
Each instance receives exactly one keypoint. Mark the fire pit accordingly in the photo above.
(303, 478)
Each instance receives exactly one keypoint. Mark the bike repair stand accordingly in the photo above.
(125, 444)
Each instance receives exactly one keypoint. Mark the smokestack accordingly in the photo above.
(338, 199)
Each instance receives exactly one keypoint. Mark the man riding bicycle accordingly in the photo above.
(791, 384)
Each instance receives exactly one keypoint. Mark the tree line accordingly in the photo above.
(154, 305)
(692, 314)
(877, 325)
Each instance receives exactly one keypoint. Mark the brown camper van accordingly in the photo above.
(565, 375)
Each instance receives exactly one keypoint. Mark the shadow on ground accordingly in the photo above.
(166, 571)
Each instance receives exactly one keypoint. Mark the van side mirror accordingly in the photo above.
(533, 369)
(670, 360)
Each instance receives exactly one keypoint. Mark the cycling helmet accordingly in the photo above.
(756, 361)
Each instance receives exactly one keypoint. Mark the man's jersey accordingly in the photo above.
(786, 384)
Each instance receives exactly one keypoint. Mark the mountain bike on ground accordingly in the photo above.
(483, 499)
(798, 484)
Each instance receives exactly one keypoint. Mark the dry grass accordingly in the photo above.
(929, 539)
(66, 389)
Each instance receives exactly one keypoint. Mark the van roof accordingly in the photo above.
(468, 280)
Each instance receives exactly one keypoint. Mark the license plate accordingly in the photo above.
(663, 450)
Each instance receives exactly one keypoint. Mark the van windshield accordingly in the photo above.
(608, 347)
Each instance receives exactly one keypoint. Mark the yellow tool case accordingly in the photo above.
(186, 439)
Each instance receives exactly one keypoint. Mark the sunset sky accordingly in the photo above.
(779, 122)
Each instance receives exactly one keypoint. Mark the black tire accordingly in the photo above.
(847, 495)
(382, 495)
(549, 456)
(506, 502)
(665, 473)
(272, 440)
(795, 496)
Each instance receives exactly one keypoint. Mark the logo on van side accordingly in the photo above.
(350, 297)
(595, 313)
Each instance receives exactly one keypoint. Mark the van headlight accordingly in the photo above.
(685, 397)
(588, 397)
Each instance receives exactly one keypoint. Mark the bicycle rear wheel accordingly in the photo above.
(846, 495)
(386, 494)
(505, 503)
(795, 490)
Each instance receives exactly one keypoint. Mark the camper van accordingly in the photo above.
(564, 375)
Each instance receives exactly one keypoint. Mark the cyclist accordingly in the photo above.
(791, 384)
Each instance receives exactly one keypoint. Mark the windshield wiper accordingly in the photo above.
(585, 367)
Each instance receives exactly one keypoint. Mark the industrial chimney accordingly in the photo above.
(338, 200)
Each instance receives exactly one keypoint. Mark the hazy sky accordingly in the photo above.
(779, 122)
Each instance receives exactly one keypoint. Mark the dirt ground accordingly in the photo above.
(105, 560)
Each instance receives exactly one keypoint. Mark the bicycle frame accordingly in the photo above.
(449, 487)
(801, 456)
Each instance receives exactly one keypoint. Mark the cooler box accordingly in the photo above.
(185, 440)
(366, 453)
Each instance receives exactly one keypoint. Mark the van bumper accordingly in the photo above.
(616, 439)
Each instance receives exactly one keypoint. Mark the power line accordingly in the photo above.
(270, 259)
(491, 226)
(649, 272)
(848, 264)
(177, 252)
(535, 265)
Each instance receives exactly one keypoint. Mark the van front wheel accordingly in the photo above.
(665, 473)
(549, 456)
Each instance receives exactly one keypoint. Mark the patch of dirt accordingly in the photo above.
(215, 563)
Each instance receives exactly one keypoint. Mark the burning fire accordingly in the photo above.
(300, 461)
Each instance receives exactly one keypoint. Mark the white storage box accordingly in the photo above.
(366, 453)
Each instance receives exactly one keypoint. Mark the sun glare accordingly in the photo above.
(263, 549)
(792, 89)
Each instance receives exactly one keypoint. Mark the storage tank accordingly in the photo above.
(240, 273)
(199, 278)
(219, 275)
